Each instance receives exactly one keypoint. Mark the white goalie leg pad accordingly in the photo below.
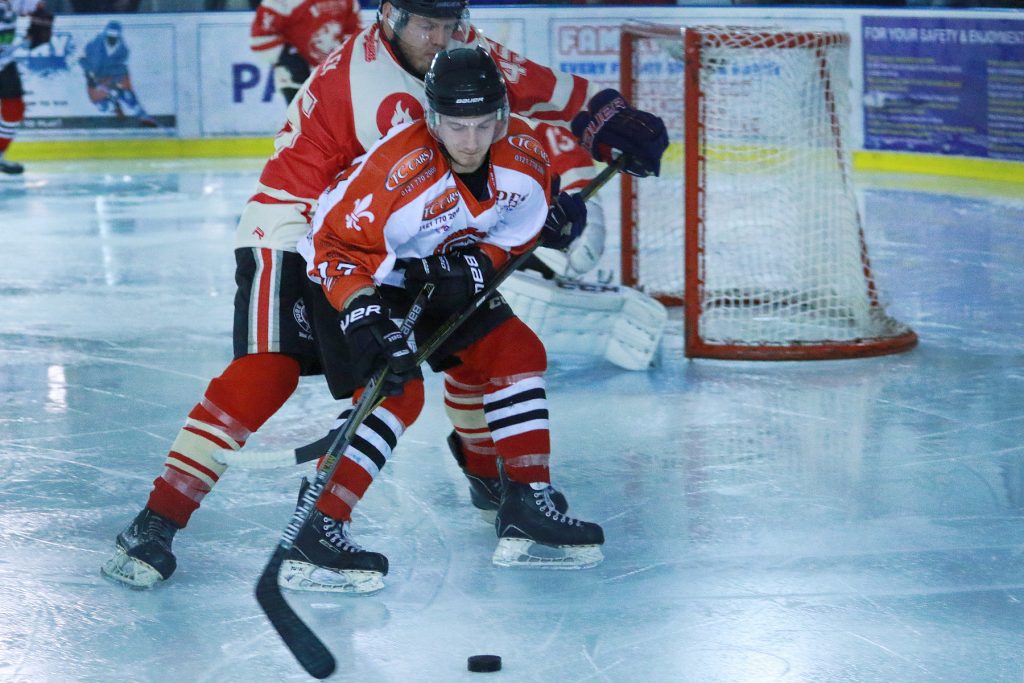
(523, 552)
(618, 323)
(124, 569)
(304, 576)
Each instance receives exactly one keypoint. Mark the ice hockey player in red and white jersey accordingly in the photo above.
(443, 201)
(296, 35)
(362, 90)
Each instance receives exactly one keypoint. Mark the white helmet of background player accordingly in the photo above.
(466, 105)
(418, 29)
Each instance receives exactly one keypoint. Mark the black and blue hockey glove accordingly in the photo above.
(610, 123)
(566, 220)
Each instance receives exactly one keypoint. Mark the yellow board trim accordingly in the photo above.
(935, 164)
(211, 148)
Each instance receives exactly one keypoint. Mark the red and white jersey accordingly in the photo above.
(569, 160)
(402, 201)
(313, 27)
(356, 95)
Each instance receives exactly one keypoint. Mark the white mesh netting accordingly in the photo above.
(782, 260)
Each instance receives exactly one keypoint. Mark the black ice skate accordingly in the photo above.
(143, 558)
(533, 533)
(325, 558)
(485, 492)
(11, 167)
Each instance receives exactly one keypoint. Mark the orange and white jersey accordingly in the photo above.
(313, 27)
(402, 201)
(356, 95)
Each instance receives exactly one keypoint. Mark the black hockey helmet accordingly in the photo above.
(465, 82)
(438, 9)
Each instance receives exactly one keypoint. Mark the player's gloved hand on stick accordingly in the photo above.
(565, 222)
(375, 341)
(457, 277)
(610, 123)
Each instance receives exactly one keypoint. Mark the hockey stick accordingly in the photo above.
(312, 451)
(307, 648)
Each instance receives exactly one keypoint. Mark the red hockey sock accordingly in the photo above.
(511, 362)
(249, 391)
(12, 111)
(464, 403)
(370, 449)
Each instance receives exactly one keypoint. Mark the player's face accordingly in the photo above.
(419, 38)
(467, 140)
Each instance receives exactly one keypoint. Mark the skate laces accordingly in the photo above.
(543, 500)
(156, 527)
(337, 533)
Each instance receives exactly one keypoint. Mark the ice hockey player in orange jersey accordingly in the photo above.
(443, 201)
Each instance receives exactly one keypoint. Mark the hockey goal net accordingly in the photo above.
(753, 225)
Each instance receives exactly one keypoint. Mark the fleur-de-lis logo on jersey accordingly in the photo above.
(359, 212)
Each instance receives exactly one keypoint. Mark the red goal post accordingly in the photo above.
(753, 225)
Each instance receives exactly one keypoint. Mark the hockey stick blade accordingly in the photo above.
(305, 646)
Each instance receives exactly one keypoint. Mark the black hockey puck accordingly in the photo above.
(483, 663)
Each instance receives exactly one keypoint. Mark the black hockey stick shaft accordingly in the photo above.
(314, 450)
(307, 648)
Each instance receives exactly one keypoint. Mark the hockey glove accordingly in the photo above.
(457, 277)
(290, 72)
(611, 124)
(565, 222)
(375, 341)
(40, 27)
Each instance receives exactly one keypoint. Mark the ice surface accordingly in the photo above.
(824, 521)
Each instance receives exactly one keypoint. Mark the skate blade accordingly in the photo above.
(302, 576)
(522, 552)
(125, 570)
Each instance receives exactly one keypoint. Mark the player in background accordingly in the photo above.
(107, 79)
(363, 89)
(475, 190)
(12, 95)
(296, 35)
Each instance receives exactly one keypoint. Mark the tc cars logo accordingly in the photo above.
(440, 205)
(407, 167)
(529, 145)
